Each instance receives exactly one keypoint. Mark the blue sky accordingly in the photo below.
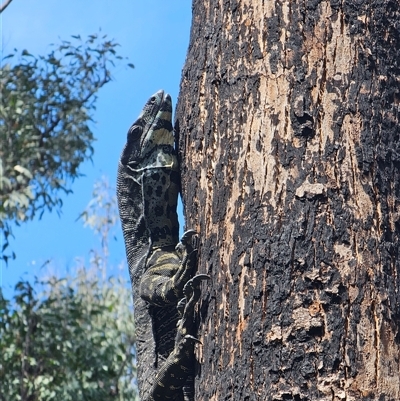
(154, 35)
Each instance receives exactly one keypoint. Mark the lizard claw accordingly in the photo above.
(187, 236)
(192, 338)
(194, 282)
(185, 244)
(181, 306)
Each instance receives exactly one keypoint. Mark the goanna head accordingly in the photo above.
(150, 141)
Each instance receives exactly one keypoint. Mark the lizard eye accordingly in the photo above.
(152, 99)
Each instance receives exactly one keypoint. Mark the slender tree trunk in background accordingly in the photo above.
(288, 121)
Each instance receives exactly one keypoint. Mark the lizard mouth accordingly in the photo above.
(152, 114)
(152, 128)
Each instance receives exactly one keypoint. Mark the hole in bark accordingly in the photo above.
(304, 125)
(293, 398)
(316, 331)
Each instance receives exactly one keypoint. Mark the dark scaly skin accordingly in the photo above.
(160, 268)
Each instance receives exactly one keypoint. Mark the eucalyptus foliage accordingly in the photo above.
(72, 342)
(46, 106)
(72, 339)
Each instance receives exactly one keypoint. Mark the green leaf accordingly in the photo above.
(23, 171)
(46, 105)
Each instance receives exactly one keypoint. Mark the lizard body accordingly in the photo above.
(161, 269)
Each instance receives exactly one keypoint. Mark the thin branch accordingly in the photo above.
(5, 5)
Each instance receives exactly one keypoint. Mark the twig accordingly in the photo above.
(5, 5)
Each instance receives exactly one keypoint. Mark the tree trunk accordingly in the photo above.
(288, 123)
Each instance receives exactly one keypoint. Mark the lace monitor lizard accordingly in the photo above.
(160, 267)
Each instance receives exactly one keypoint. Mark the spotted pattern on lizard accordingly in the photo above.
(160, 267)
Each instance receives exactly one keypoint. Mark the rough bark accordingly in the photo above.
(288, 122)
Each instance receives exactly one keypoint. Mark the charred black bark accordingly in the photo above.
(289, 138)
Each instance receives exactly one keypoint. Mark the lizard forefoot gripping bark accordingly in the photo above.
(161, 269)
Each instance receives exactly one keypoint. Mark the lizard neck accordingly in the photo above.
(160, 197)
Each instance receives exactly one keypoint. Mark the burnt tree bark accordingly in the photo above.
(288, 123)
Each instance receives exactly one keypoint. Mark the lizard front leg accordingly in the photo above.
(166, 282)
(167, 272)
(177, 372)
